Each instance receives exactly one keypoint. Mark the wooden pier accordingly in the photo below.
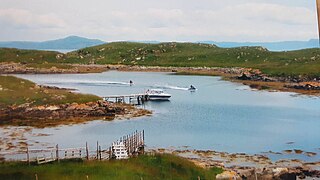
(136, 99)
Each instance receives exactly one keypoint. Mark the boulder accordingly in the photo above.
(227, 175)
(244, 77)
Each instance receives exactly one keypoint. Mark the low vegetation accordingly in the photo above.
(300, 62)
(17, 91)
(143, 167)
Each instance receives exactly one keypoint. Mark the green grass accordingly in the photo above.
(27, 56)
(16, 91)
(301, 62)
(143, 167)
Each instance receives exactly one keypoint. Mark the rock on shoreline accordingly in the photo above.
(51, 114)
(245, 166)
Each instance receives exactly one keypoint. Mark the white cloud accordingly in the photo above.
(168, 20)
(26, 19)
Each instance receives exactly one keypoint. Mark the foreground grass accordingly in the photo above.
(17, 91)
(143, 167)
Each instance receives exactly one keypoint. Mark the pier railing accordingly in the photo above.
(136, 99)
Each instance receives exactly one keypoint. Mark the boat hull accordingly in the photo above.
(158, 97)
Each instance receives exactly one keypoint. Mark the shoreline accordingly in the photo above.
(246, 76)
(24, 103)
(254, 78)
(246, 166)
(67, 114)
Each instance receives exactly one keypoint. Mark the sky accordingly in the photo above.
(161, 20)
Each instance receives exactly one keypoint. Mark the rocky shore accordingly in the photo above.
(20, 68)
(248, 76)
(252, 77)
(52, 115)
(244, 166)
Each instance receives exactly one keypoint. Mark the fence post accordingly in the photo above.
(100, 153)
(97, 150)
(87, 151)
(143, 136)
(110, 153)
(28, 157)
(57, 153)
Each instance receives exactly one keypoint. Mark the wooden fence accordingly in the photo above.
(133, 145)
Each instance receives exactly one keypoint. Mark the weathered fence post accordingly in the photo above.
(97, 150)
(100, 153)
(110, 153)
(28, 157)
(57, 153)
(87, 151)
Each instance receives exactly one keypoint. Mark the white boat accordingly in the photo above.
(157, 94)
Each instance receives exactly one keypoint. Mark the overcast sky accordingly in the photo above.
(162, 20)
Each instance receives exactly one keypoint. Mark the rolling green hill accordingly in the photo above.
(300, 62)
(17, 91)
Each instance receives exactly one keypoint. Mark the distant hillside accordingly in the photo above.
(272, 46)
(71, 42)
(299, 62)
(306, 61)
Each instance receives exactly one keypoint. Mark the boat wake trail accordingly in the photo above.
(170, 87)
(94, 83)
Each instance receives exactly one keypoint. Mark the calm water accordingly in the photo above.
(220, 115)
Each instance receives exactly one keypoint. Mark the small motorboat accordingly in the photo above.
(192, 88)
(157, 95)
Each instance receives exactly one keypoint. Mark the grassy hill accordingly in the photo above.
(300, 62)
(273, 46)
(143, 167)
(16, 91)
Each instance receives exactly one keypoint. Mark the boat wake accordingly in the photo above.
(92, 83)
(170, 87)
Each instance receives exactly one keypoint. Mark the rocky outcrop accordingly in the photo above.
(256, 75)
(305, 86)
(226, 175)
(99, 109)
(276, 173)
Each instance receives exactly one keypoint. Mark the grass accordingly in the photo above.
(17, 91)
(27, 56)
(304, 62)
(301, 62)
(143, 167)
